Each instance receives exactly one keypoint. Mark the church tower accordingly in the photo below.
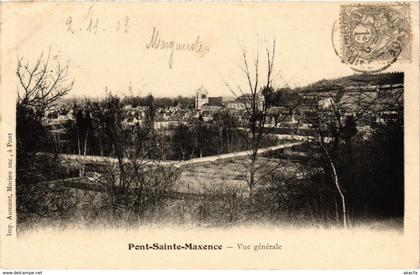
(201, 97)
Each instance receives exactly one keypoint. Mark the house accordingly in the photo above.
(249, 99)
(234, 105)
(208, 107)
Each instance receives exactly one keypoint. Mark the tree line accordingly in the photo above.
(351, 173)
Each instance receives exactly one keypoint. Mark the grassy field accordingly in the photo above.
(204, 178)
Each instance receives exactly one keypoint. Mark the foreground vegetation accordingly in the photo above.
(344, 174)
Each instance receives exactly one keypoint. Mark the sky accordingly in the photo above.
(109, 46)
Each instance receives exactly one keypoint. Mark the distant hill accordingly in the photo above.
(355, 80)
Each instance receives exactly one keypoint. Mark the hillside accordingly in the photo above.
(356, 80)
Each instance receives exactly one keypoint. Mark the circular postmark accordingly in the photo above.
(369, 38)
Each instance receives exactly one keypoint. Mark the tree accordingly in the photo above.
(227, 131)
(43, 84)
(39, 87)
(256, 95)
(182, 141)
(138, 181)
(335, 114)
(83, 127)
(379, 161)
(199, 135)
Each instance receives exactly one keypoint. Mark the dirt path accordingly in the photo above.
(99, 159)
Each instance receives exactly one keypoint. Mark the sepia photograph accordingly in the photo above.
(244, 126)
(327, 154)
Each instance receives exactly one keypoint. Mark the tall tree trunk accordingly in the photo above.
(101, 150)
(343, 199)
(183, 154)
(78, 142)
(252, 175)
(192, 152)
(337, 216)
(337, 183)
(85, 145)
(228, 141)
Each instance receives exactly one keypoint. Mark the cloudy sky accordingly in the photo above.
(107, 43)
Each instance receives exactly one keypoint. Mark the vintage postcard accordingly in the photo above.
(209, 135)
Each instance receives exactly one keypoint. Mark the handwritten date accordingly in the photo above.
(95, 25)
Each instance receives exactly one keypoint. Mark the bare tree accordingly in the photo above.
(256, 94)
(39, 86)
(42, 84)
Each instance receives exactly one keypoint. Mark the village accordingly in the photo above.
(212, 160)
(287, 119)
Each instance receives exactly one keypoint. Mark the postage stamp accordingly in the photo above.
(373, 36)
